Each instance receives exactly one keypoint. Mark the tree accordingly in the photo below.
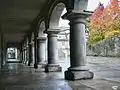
(95, 18)
(96, 32)
(111, 19)
(104, 22)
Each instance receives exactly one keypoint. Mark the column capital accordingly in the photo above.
(76, 16)
(31, 43)
(24, 48)
(52, 31)
(41, 38)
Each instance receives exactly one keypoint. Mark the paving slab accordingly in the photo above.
(21, 77)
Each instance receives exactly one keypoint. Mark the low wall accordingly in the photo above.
(109, 47)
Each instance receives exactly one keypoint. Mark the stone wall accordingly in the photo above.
(109, 47)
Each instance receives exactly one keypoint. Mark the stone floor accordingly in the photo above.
(20, 77)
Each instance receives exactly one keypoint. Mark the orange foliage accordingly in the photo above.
(114, 6)
(110, 11)
(95, 18)
(103, 15)
(105, 21)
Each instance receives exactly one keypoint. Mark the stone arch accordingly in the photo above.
(55, 15)
(41, 29)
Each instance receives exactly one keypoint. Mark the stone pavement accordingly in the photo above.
(21, 77)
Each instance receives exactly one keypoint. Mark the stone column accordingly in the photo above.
(24, 55)
(26, 51)
(52, 52)
(41, 44)
(77, 69)
(21, 55)
(27, 54)
(35, 52)
(30, 54)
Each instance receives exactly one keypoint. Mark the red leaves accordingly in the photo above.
(104, 22)
(95, 18)
(103, 15)
(114, 6)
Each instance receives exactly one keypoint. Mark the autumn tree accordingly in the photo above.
(96, 17)
(105, 22)
(96, 33)
(111, 20)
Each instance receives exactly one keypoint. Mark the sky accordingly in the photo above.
(92, 4)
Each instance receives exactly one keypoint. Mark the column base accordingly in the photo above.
(24, 61)
(35, 66)
(53, 68)
(78, 75)
(29, 64)
(41, 64)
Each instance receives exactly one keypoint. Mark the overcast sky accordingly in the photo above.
(92, 4)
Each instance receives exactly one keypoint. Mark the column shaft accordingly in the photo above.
(30, 54)
(35, 53)
(77, 69)
(52, 49)
(24, 56)
(41, 42)
(52, 52)
(77, 45)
